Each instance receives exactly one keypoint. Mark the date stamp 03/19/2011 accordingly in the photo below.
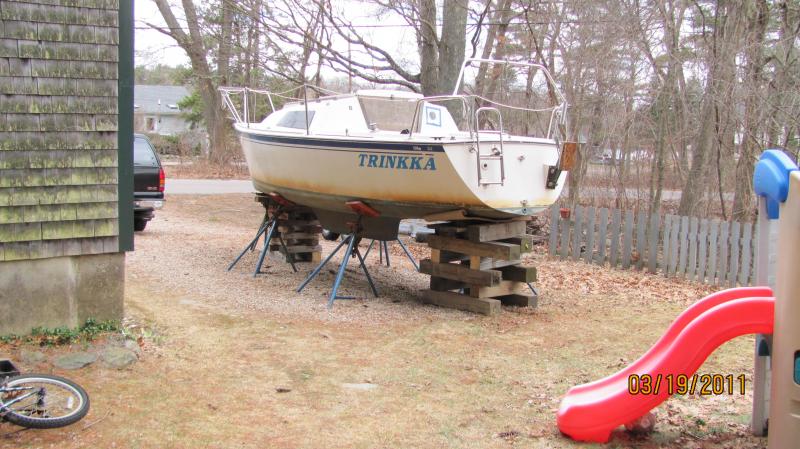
(702, 384)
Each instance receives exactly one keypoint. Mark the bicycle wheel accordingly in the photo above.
(42, 401)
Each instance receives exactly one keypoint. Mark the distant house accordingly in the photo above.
(156, 111)
(615, 156)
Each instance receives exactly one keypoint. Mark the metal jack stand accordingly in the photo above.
(351, 240)
(267, 228)
(383, 247)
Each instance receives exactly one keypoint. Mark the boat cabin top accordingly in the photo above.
(365, 112)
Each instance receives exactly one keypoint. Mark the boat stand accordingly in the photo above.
(267, 228)
(383, 248)
(351, 240)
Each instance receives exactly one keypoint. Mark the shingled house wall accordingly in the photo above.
(58, 157)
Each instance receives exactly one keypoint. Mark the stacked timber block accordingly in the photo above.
(477, 267)
(300, 230)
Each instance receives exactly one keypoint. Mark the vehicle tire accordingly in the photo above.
(330, 235)
(139, 224)
(55, 402)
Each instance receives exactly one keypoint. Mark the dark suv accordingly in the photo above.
(148, 182)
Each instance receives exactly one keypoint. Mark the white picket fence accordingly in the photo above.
(709, 251)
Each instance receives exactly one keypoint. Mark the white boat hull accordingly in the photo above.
(401, 179)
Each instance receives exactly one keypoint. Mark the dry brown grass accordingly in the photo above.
(202, 168)
(444, 379)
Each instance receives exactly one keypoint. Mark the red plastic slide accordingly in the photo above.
(590, 412)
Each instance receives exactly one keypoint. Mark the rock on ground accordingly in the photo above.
(75, 360)
(32, 357)
(116, 357)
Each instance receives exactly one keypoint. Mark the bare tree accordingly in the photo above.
(193, 40)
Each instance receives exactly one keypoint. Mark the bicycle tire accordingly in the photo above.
(53, 384)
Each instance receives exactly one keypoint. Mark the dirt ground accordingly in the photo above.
(236, 361)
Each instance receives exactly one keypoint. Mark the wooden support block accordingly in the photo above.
(497, 250)
(501, 289)
(442, 284)
(295, 249)
(301, 242)
(525, 243)
(474, 262)
(316, 257)
(460, 273)
(486, 306)
(497, 231)
(487, 263)
(518, 300)
(309, 229)
(447, 229)
(519, 273)
(440, 255)
(296, 222)
(300, 235)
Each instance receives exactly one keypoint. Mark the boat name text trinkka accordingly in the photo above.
(396, 162)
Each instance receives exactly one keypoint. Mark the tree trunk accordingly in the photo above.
(194, 46)
(453, 44)
(716, 130)
(427, 42)
(757, 19)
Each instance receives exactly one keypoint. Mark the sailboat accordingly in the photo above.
(402, 155)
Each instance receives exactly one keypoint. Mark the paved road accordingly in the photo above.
(666, 195)
(207, 186)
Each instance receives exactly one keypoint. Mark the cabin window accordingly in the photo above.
(296, 119)
(388, 114)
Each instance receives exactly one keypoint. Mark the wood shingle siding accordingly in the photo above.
(58, 128)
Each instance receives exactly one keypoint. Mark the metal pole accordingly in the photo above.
(289, 257)
(320, 266)
(246, 111)
(369, 278)
(264, 251)
(410, 257)
(305, 104)
(251, 246)
(340, 274)
(763, 346)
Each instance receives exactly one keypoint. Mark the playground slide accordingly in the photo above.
(590, 412)
(677, 326)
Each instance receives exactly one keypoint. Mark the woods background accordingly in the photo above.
(672, 100)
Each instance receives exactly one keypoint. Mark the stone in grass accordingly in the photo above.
(32, 357)
(642, 425)
(116, 357)
(76, 360)
(132, 345)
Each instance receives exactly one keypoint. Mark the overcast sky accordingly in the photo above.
(153, 47)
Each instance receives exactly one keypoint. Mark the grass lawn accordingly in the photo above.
(232, 361)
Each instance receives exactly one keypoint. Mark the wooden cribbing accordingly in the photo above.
(485, 306)
(519, 300)
(476, 266)
(497, 250)
(503, 288)
(519, 274)
(460, 273)
(498, 231)
(299, 229)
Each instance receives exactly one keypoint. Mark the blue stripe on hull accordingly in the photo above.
(329, 144)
